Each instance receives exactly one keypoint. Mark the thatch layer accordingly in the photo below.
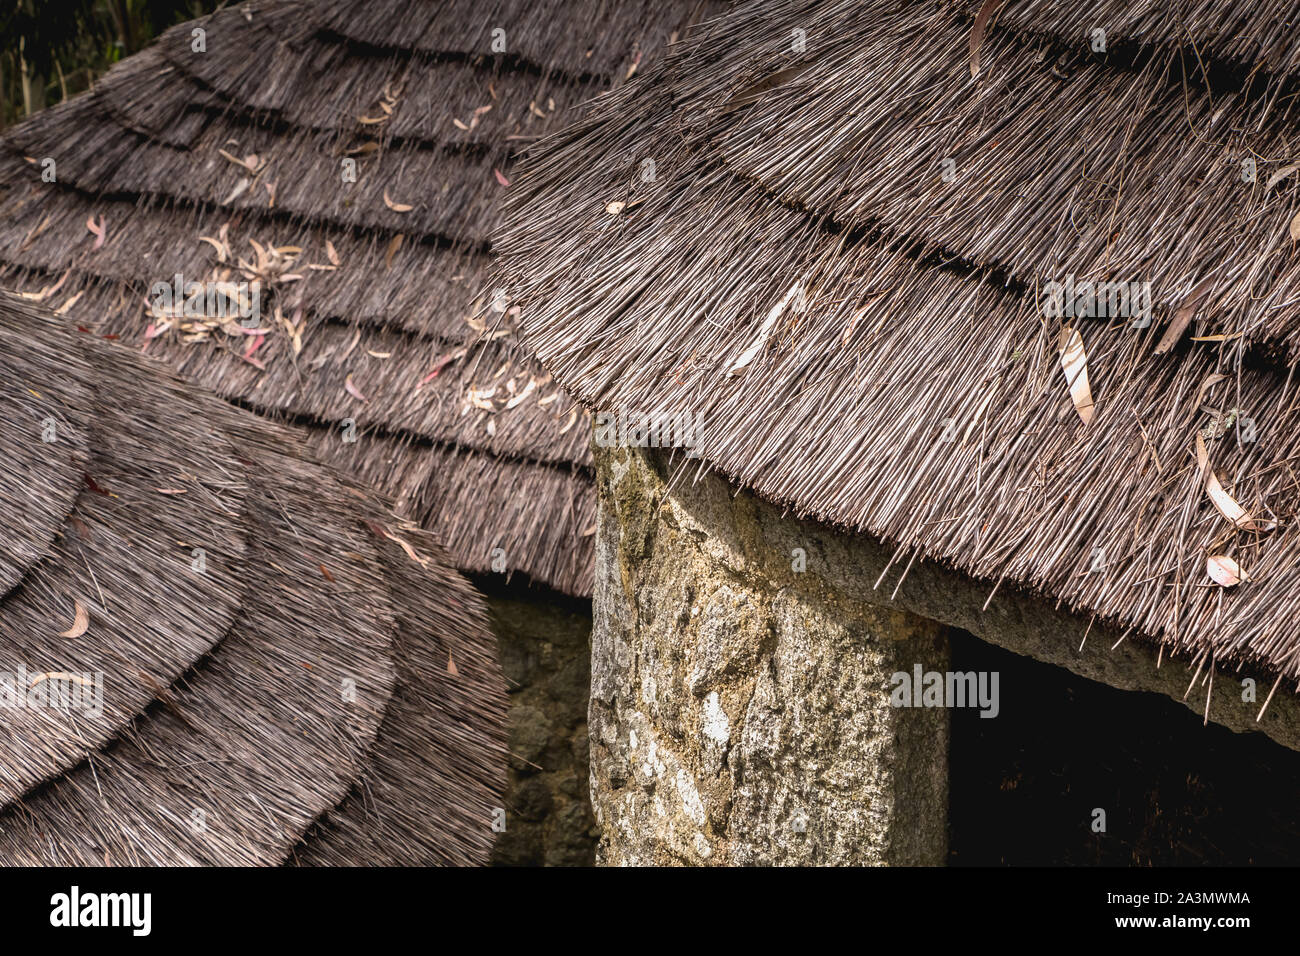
(574, 38)
(46, 404)
(98, 157)
(320, 84)
(849, 346)
(473, 498)
(269, 643)
(424, 287)
(1259, 36)
(154, 489)
(406, 811)
(376, 309)
(1137, 175)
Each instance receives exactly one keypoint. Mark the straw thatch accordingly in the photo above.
(378, 318)
(862, 337)
(286, 670)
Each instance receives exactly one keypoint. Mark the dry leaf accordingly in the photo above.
(518, 399)
(440, 363)
(254, 344)
(1224, 502)
(80, 621)
(481, 398)
(747, 356)
(237, 191)
(353, 390)
(331, 253)
(356, 337)
(1224, 571)
(98, 230)
(1074, 361)
(63, 309)
(394, 244)
(249, 162)
(451, 665)
(1183, 317)
(1211, 380)
(222, 252)
(59, 675)
(1294, 229)
(982, 19)
(49, 290)
(405, 546)
(396, 206)
(615, 208)
(1280, 175)
(573, 417)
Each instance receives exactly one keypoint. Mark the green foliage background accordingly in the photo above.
(53, 49)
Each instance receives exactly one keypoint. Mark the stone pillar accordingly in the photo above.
(740, 710)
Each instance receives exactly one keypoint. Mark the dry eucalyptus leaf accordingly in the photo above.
(1074, 361)
(396, 206)
(1224, 502)
(80, 621)
(981, 24)
(1224, 571)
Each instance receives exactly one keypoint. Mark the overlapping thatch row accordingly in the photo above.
(548, 507)
(244, 141)
(43, 403)
(325, 85)
(427, 288)
(368, 376)
(251, 682)
(405, 810)
(447, 192)
(1258, 36)
(1051, 164)
(869, 377)
(152, 491)
(574, 38)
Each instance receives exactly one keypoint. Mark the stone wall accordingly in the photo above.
(544, 642)
(740, 710)
(739, 706)
(847, 567)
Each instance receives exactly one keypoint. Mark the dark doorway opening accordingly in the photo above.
(1024, 785)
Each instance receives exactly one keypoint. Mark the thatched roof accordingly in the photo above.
(858, 325)
(187, 158)
(273, 666)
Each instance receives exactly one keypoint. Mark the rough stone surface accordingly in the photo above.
(544, 643)
(723, 681)
(759, 537)
(740, 710)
